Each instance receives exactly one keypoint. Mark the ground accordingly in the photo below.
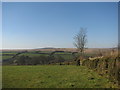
(52, 76)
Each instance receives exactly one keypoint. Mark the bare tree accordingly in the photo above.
(81, 40)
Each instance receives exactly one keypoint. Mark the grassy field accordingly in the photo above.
(65, 55)
(48, 76)
(33, 55)
(5, 57)
(8, 52)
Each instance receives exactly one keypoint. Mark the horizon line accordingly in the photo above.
(50, 48)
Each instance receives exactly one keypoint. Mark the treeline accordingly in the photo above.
(108, 66)
(37, 60)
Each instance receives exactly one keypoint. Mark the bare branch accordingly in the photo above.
(80, 40)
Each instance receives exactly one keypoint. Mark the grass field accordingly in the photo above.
(48, 76)
(65, 55)
(8, 52)
(5, 57)
(33, 55)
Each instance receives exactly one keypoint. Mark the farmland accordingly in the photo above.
(31, 54)
(47, 76)
(59, 44)
(56, 55)
(57, 69)
(66, 54)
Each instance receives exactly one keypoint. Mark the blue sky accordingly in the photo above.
(50, 24)
(0, 25)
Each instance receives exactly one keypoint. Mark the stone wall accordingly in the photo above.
(107, 66)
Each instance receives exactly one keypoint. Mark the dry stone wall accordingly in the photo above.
(108, 66)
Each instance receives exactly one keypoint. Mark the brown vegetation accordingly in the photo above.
(108, 66)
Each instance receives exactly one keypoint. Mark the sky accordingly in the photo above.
(54, 24)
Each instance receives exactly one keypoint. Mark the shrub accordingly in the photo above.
(105, 66)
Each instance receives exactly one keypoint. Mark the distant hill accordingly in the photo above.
(88, 50)
(48, 48)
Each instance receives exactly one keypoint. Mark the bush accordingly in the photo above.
(38, 60)
(105, 66)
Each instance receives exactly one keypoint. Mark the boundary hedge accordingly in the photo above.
(108, 66)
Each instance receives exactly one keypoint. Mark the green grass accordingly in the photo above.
(5, 57)
(52, 77)
(33, 55)
(45, 51)
(65, 56)
(62, 53)
(0, 76)
(9, 52)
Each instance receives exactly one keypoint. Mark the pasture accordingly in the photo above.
(52, 76)
(65, 55)
(55, 69)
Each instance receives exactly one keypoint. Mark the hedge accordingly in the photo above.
(108, 66)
